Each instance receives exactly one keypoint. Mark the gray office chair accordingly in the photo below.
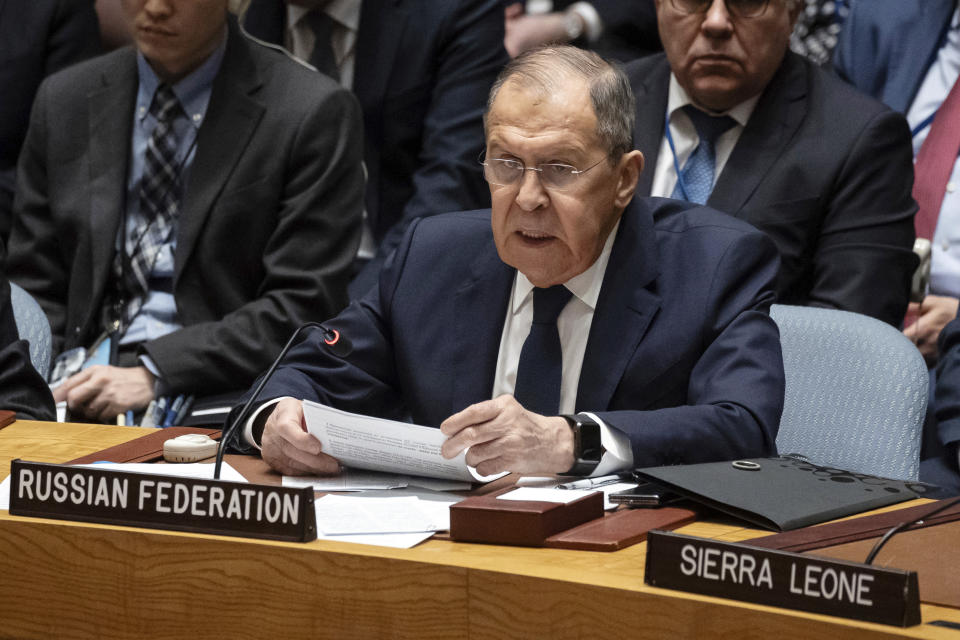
(33, 326)
(856, 392)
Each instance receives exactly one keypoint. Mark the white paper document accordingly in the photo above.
(339, 515)
(377, 444)
(544, 494)
(349, 480)
(552, 483)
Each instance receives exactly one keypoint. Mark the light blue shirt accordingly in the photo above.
(158, 315)
(945, 267)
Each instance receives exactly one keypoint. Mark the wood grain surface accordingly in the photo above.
(77, 580)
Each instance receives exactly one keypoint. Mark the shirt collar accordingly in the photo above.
(585, 286)
(679, 98)
(345, 12)
(193, 90)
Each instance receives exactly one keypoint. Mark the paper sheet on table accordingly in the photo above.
(359, 480)
(385, 445)
(548, 482)
(200, 470)
(393, 540)
(357, 515)
(349, 480)
(545, 494)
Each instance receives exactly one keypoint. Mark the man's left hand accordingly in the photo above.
(503, 436)
(932, 315)
(102, 392)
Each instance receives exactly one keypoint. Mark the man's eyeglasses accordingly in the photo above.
(506, 172)
(738, 8)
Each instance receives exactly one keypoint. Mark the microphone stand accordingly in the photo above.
(331, 337)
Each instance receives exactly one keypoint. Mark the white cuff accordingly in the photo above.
(592, 24)
(618, 455)
(248, 427)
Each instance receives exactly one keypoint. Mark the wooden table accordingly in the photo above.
(74, 580)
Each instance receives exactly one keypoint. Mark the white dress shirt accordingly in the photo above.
(945, 265)
(685, 139)
(573, 324)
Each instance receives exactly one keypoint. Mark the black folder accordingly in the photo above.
(781, 493)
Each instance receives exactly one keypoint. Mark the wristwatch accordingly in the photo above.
(587, 449)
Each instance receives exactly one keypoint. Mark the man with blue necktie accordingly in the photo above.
(729, 117)
(572, 328)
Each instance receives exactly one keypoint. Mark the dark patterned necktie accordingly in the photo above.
(541, 359)
(159, 204)
(323, 57)
(698, 171)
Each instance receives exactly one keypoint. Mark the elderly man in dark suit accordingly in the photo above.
(191, 202)
(572, 328)
(729, 117)
(421, 70)
(37, 38)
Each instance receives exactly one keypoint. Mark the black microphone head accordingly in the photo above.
(336, 342)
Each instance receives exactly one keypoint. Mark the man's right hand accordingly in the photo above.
(288, 448)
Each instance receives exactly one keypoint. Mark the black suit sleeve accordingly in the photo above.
(863, 260)
(22, 389)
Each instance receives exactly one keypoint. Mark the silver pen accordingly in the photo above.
(590, 483)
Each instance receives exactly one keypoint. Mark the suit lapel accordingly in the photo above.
(651, 95)
(232, 117)
(626, 305)
(111, 119)
(480, 307)
(775, 120)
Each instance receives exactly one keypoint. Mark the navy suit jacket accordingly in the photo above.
(948, 384)
(821, 168)
(682, 355)
(37, 38)
(422, 73)
(887, 46)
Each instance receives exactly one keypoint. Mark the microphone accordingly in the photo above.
(336, 343)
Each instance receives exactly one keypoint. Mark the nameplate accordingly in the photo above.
(782, 579)
(156, 501)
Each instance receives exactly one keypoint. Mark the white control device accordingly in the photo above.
(189, 448)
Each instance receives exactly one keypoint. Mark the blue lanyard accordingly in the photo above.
(673, 150)
(924, 124)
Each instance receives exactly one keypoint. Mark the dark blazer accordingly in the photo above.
(22, 389)
(887, 46)
(681, 355)
(269, 221)
(629, 28)
(37, 38)
(948, 385)
(825, 171)
(422, 73)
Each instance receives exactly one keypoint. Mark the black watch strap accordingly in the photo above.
(587, 448)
